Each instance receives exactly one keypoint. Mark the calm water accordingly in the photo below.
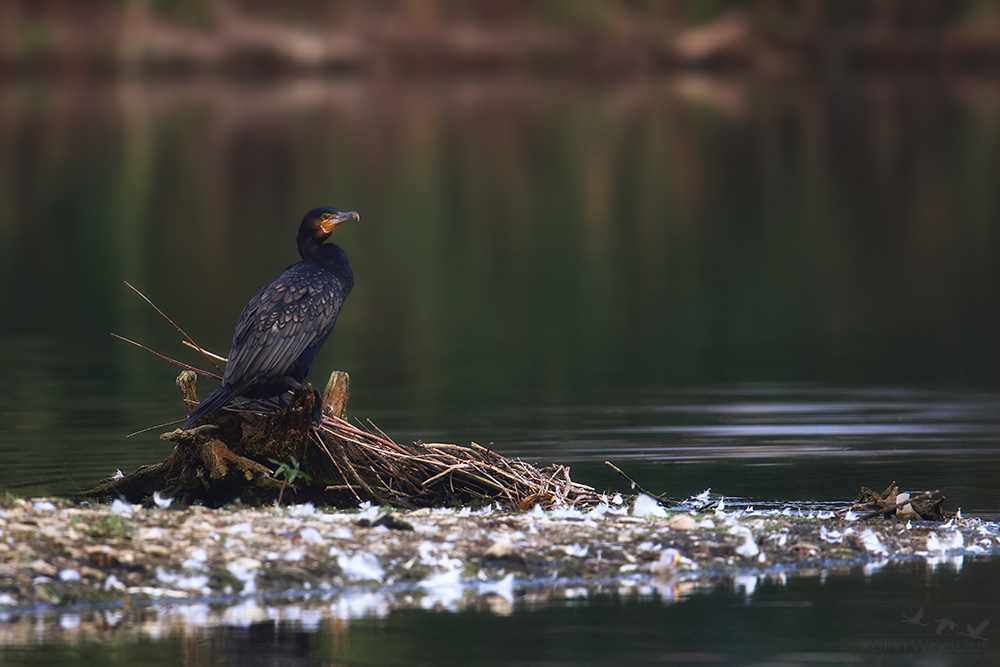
(834, 619)
(779, 294)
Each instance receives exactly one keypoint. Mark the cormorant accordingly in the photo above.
(282, 329)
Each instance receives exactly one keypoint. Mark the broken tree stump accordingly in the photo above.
(338, 390)
(223, 460)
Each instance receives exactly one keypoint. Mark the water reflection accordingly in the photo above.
(623, 233)
(576, 273)
(816, 616)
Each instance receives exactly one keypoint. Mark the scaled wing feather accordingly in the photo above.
(278, 325)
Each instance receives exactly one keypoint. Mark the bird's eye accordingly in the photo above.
(326, 216)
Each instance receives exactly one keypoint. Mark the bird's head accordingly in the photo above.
(319, 223)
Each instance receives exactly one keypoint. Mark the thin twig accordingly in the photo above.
(153, 428)
(635, 484)
(378, 430)
(853, 506)
(336, 464)
(205, 352)
(166, 358)
(182, 332)
(431, 480)
(351, 428)
(354, 473)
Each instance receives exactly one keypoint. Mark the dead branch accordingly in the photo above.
(182, 332)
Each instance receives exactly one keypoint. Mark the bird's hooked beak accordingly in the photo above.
(335, 221)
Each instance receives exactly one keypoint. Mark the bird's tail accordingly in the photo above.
(218, 399)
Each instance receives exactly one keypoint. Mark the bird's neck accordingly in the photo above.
(329, 255)
(317, 251)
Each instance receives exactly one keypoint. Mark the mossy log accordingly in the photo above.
(257, 453)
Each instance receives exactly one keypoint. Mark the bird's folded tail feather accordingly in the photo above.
(218, 399)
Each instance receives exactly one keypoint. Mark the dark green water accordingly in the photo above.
(844, 618)
(778, 293)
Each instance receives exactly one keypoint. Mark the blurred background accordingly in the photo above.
(609, 38)
(754, 237)
(746, 245)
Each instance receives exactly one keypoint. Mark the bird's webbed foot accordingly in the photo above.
(285, 399)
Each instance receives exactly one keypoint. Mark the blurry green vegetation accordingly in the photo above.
(518, 242)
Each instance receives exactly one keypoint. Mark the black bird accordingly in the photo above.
(282, 329)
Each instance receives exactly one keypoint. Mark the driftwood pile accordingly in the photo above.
(891, 503)
(257, 453)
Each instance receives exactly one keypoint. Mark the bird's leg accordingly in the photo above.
(317, 406)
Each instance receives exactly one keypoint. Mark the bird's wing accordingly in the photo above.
(295, 311)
